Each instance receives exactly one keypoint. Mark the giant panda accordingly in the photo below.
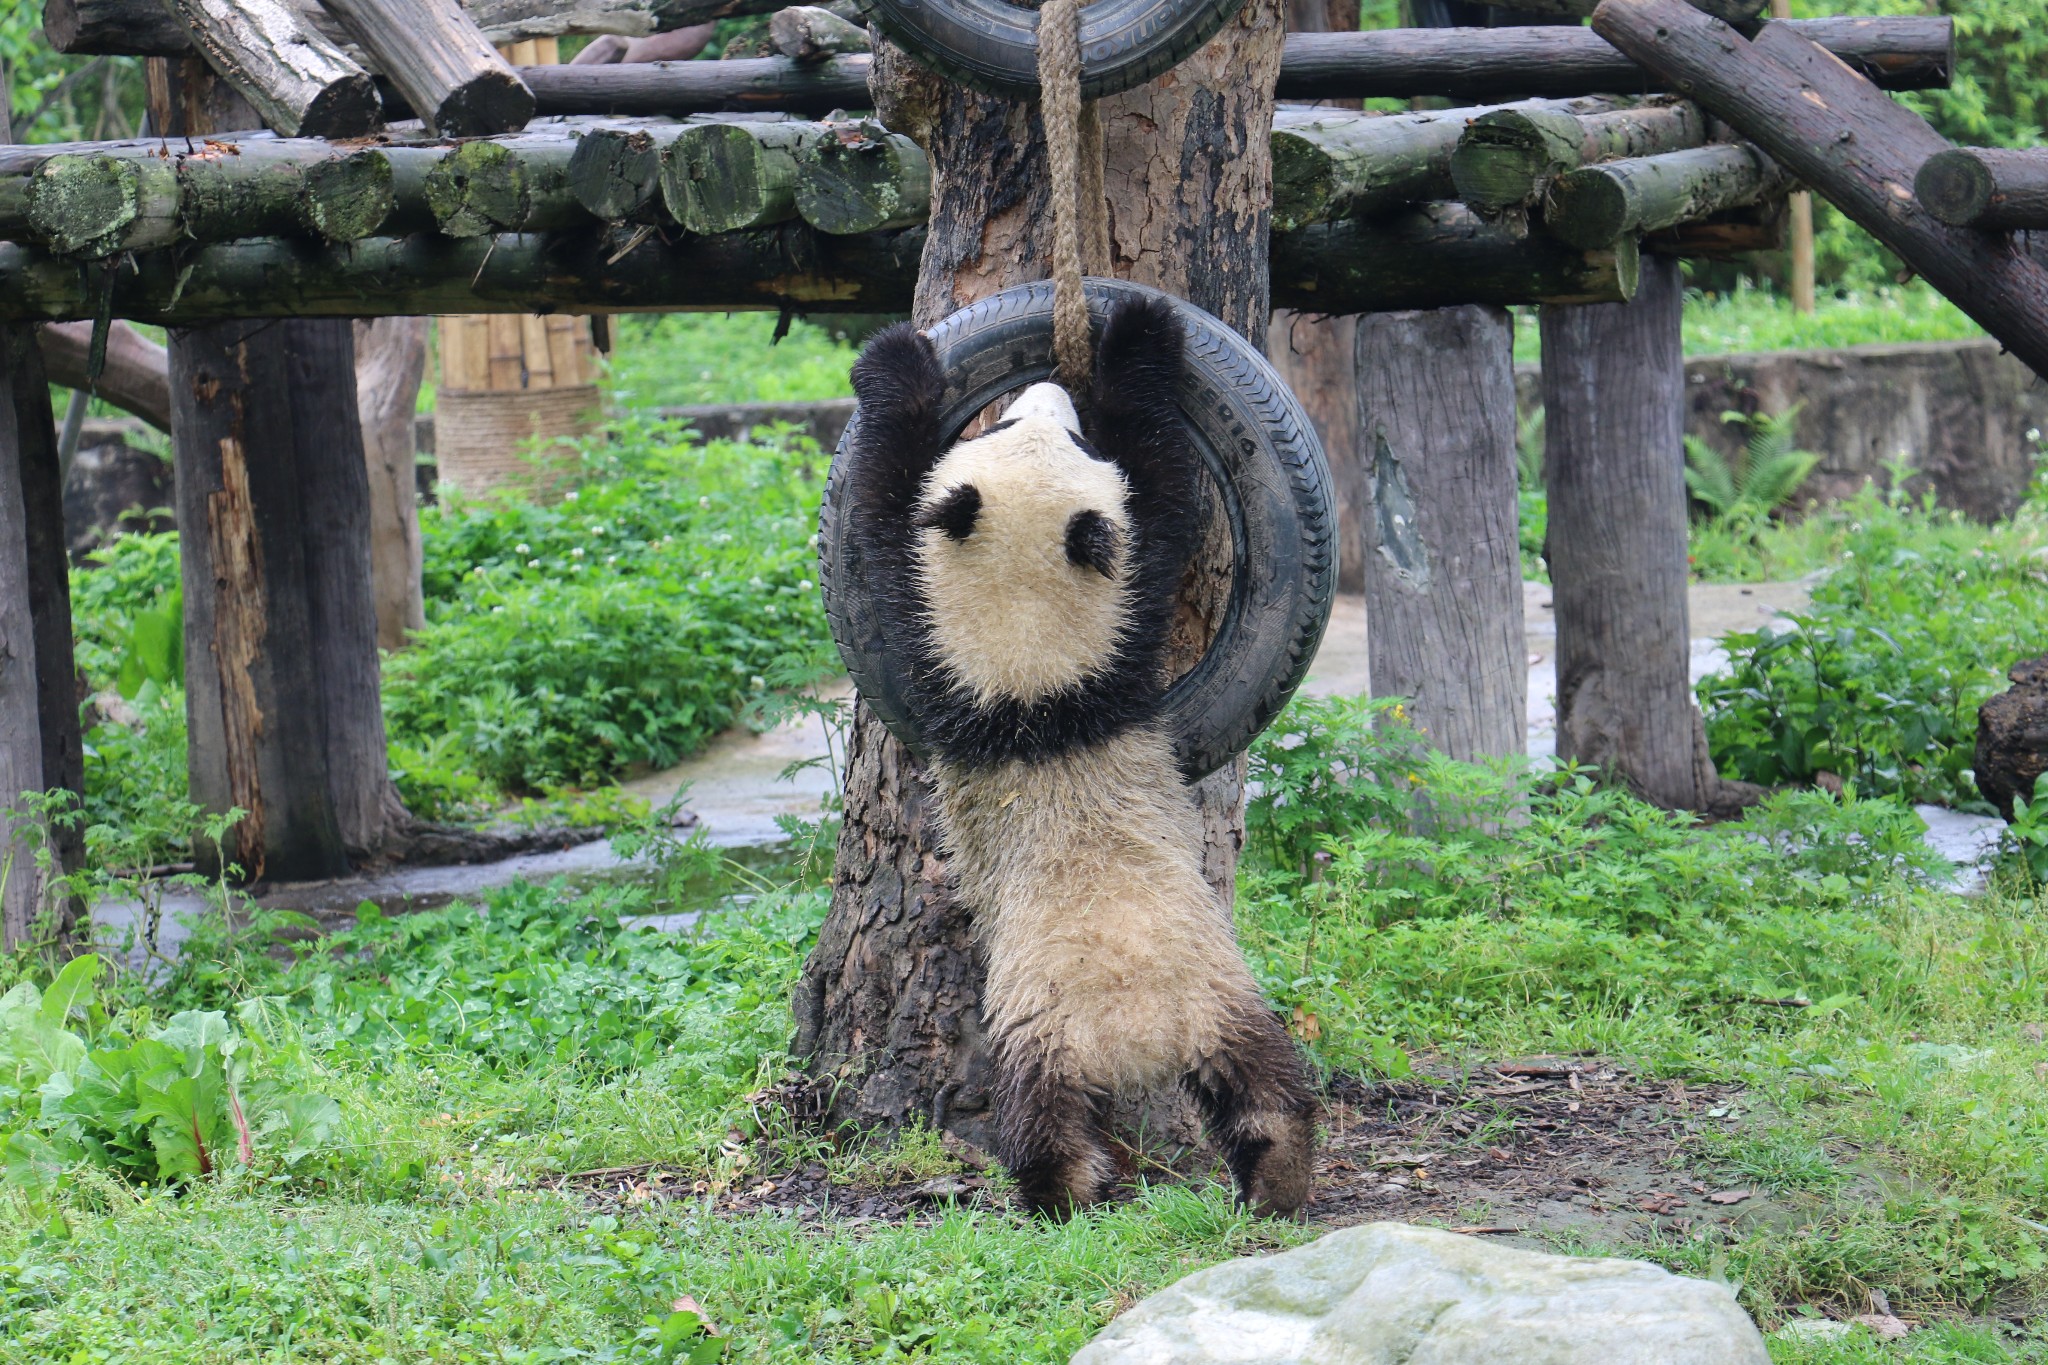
(1028, 576)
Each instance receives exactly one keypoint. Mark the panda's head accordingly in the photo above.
(1023, 543)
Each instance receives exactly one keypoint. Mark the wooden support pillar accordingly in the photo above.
(391, 359)
(1614, 465)
(1443, 581)
(273, 506)
(40, 745)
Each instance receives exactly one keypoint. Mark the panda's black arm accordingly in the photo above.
(901, 389)
(1135, 420)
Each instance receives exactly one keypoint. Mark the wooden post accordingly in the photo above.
(391, 359)
(1800, 280)
(1443, 581)
(40, 747)
(888, 1007)
(280, 640)
(1614, 465)
(513, 389)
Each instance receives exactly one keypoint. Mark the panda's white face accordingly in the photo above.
(1022, 554)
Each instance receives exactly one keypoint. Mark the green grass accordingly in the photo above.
(675, 359)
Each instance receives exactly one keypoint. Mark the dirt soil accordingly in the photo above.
(1534, 1151)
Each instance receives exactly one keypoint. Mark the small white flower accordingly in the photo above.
(569, 496)
(2033, 433)
(814, 540)
(611, 559)
(576, 552)
(522, 549)
(597, 528)
(804, 585)
(773, 612)
(533, 563)
(757, 682)
(498, 609)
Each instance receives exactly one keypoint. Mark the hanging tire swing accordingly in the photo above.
(993, 46)
(1263, 460)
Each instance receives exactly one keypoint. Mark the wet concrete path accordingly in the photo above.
(736, 789)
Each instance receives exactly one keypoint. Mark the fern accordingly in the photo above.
(1742, 494)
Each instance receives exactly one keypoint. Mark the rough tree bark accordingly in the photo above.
(1443, 582)
(280, 636)
(1614, 464)
(391, 360)
(888, 1008)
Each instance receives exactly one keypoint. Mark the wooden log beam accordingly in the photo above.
(142, 28)
(1439, 256)
(615, 173)
(1840, 135)
(441, 62)
(1435, 256)
(1995, 188)
(672, 88)
(1734, 11)
(136, 376)
(299, 81)
(516, 184)
(725, 177)
(860, 177)
(1339, 163)
(1482, 64)
(1595, 204)
(1506, 157)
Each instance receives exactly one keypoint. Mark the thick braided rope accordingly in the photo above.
(1059, 86)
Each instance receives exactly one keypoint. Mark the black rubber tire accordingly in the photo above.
(1263, 457)
(993, 46)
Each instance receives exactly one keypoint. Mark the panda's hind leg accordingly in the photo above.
(1254, 1095)
(1053, 1136)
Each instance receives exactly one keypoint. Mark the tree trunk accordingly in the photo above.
(1443, 582)
(1839, 134)
(888, 1009)
(391, 360)
(1614, 463)
(1317, 355)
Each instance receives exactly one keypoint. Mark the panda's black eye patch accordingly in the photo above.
(1092, 542)
(955, 514)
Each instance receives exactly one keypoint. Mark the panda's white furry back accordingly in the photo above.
(1030, 575)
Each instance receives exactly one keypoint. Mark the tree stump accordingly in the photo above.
(888, 1010)
(2012, 737)
(1443, 575)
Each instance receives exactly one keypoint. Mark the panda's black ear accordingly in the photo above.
(955, 514)
(901, 389)
(1093, 542)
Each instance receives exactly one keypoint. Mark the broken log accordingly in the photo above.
(860, 177)
(446, 69)
(136, 375)
(1482, 64)
(1338, 163)
(1994, 188)
(1842, 136)
(1439, 256)
(725, 177)
(805, 33)
(1507, 157)
(1595, 204)
(299, 81)
(141, 28)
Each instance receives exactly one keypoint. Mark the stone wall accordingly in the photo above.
(1969, 417)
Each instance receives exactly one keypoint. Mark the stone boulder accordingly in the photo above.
(1393, 1294)
(2012, 736)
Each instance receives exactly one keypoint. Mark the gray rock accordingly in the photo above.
(1392, 1294)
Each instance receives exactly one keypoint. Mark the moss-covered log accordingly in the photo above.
(1338, 163)
(1595, 204)
(101, 205)
(615, 173)
(1507, 157)
(1997, 188)
(1437, 256)
(515, 184)
(860, 177)
(725, 177)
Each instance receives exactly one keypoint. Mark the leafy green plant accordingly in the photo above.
(1880, 680)
(1744, 492)
(197, 1095)
(2024, 844)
